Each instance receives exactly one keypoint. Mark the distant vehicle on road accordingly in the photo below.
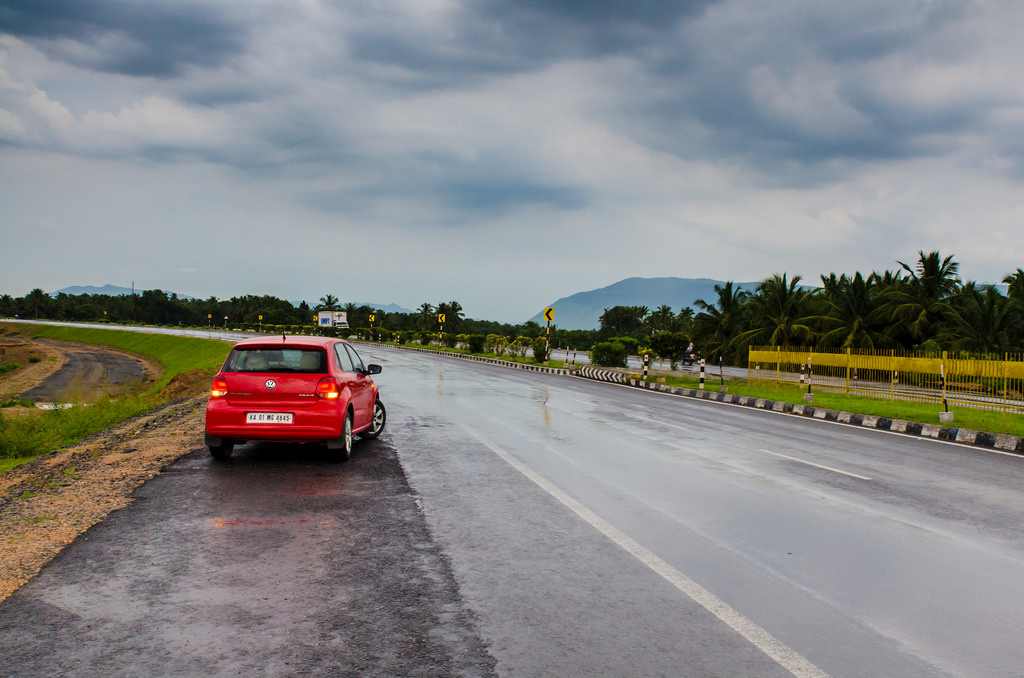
(332, 319)
(293, 389)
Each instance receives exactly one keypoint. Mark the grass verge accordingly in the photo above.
(27, 436)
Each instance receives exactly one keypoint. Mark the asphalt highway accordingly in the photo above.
(523, 524)
(597, 530)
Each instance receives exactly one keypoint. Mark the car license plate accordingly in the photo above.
(268, 417)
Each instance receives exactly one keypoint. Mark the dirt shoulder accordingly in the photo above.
(47, 503)
(30, 374)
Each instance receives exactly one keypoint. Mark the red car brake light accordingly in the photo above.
(220, 387)
(328, 388)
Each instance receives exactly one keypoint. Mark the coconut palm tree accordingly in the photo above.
(328, 302)
(425, 318)
(717, 324)
(853, 316)
(779, 314)
(984, 322)
(920, 305)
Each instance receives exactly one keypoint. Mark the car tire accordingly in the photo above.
(223, 451)
(380, 417)
(343, 443)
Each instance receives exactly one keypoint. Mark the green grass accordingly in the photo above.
(29, 436)
(926, 413)
(25, 437)
(8, 366)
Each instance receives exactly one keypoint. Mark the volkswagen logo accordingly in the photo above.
(271, 384)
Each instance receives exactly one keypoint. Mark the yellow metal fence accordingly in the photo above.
(984, 383)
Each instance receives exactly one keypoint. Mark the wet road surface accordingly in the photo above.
(857, 553)
(540, 526)
(279, 563)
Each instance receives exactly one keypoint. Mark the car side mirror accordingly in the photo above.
(373, 369)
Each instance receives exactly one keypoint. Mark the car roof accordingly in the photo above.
(300, 341)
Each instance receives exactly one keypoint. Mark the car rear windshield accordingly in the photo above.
(265, 359)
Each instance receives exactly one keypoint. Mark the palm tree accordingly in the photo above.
(853, 315)
(921, 303)
(1015, 282)
(38, 302)
(716, 325)
(453, 315)
(661, 320)
(778, 314)
(425, 319)
(984, 322)
(328, 302)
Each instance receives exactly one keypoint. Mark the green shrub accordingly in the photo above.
(450, 340)
(8, 366)
(34, 358)
(609, 354)
(540, 349)
(476, 342)
(631, 345)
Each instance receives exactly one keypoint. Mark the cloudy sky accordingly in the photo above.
(502, 154)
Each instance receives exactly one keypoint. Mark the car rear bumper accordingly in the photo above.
(228, 423)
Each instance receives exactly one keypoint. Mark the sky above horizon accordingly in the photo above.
(502, 154)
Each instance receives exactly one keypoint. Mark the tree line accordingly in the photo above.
(923, 306)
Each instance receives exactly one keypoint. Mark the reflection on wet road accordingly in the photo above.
(861, 553)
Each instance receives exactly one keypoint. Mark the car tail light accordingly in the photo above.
(327, 388)
(220, 387)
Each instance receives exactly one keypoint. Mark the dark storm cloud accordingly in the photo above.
(496, 37)
(149, 38)
(720, 77)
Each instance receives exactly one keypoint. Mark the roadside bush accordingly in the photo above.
(476, 343)
(426, 338)
(540, 349)
(450, 340)
(631, 345)
(519, 346)
(496, 344)
(609, 354)
(401, 338)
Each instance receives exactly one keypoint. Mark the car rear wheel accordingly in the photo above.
(343, 443)
(380, 417)
(222, 452)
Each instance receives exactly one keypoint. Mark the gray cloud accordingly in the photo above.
(156, 38)
(574, 119)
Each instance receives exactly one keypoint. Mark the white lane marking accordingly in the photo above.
(663, 423)
(783, 655)
(811, 463)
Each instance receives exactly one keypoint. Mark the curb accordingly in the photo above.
(992, 441)
(963, 436)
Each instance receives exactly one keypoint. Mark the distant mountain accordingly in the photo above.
(387, 308)
(109, 290)
(582, 311)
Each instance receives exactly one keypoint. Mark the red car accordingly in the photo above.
(293, 389)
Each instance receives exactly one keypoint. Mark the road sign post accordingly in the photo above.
(549, 315)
